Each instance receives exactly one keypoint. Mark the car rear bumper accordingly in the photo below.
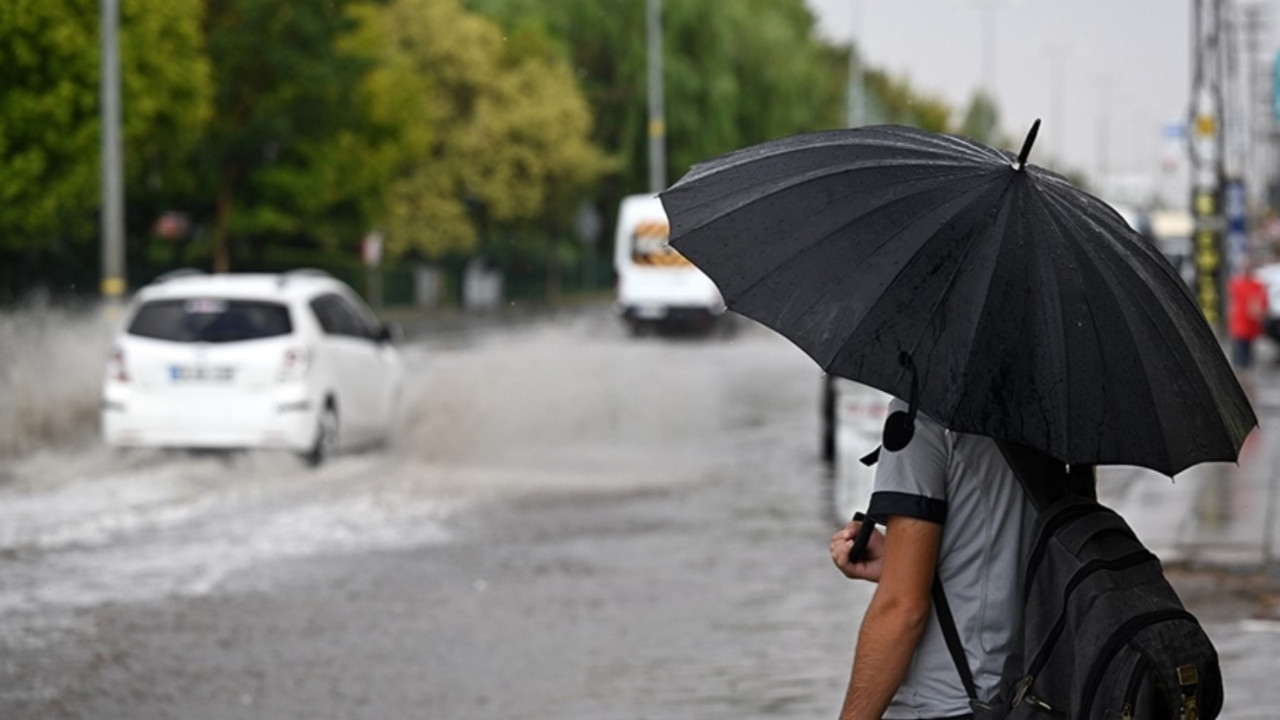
(283, 418)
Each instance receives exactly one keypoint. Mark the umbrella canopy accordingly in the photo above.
(1026, 309)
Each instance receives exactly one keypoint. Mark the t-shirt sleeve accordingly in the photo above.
(913, 481)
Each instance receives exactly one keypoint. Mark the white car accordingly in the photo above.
(293, 361)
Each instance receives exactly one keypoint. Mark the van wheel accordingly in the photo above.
(326, 442)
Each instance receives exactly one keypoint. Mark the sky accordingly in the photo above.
(1104, 76)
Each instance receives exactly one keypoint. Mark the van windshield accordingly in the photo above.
(211, 320)
(649, 245)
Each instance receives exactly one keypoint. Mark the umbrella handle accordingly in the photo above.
(864, 536)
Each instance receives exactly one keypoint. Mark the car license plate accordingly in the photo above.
(201, 373)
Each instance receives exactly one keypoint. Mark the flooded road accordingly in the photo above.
(571, 524)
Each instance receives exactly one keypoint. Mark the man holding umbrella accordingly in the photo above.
(952, 505)
(1014, 311)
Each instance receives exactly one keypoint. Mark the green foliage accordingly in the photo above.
(454, 126)
(982, 120)
(274, 153)
(741, 73)
(50, 117)
(605, 44)
(497, 132)
(895, 101)
(736, 73)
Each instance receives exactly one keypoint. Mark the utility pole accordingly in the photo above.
(856, 102)
(113, 267)
(988, 39)
(1256, 108)
(657, 113)
(1103, 142)
(1205, 149)
(1058, 126)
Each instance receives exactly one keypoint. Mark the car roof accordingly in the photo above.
(256, 286)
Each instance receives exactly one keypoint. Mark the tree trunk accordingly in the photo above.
(553, 270)
(222, 218)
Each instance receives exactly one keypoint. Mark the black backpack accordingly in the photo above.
(1104, 633)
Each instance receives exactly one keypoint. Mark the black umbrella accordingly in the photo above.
(1022, 307)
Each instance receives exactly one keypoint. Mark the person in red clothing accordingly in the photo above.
(1246, 313)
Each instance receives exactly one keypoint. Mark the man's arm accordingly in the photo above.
(896, 617)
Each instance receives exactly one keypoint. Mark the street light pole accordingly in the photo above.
(987, 36)
(1205, 151)
(856, 102)
(113, 269)
(657, 113)
(1102, 145)
(1056, 102)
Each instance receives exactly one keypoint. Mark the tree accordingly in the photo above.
(50, 117)
(495, 130)
(982, 120)
(282, 120)
(736, 73)
(896, 101)
(742, 73)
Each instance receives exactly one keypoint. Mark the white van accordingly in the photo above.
(657, 286)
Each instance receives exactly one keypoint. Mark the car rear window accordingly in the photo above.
(211, 320)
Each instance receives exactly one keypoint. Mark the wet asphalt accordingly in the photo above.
(572, 524)
(642, 536)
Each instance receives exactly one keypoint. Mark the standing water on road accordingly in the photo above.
(570, 523)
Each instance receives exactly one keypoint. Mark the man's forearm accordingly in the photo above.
(887, 641)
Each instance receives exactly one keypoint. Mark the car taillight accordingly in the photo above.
(296, 363)
(116, 369)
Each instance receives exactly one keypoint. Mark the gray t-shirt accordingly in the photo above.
(962, 482)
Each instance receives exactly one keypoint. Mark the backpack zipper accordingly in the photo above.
(1131, 692)
(1124, 562)
(1119, 639)
(1059, 521)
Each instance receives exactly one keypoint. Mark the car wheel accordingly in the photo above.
(326, 442)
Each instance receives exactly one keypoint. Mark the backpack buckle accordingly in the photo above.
(1189, 681)
(1024, 695)
(1023, 688)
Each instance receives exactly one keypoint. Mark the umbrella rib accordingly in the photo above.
(1056, 294)
(744, 199)
(835, 233)
(870, 136)
(1075, 220)
(972, 237)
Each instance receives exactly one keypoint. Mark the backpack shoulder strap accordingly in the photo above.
(949, 632)
(1045, 481)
